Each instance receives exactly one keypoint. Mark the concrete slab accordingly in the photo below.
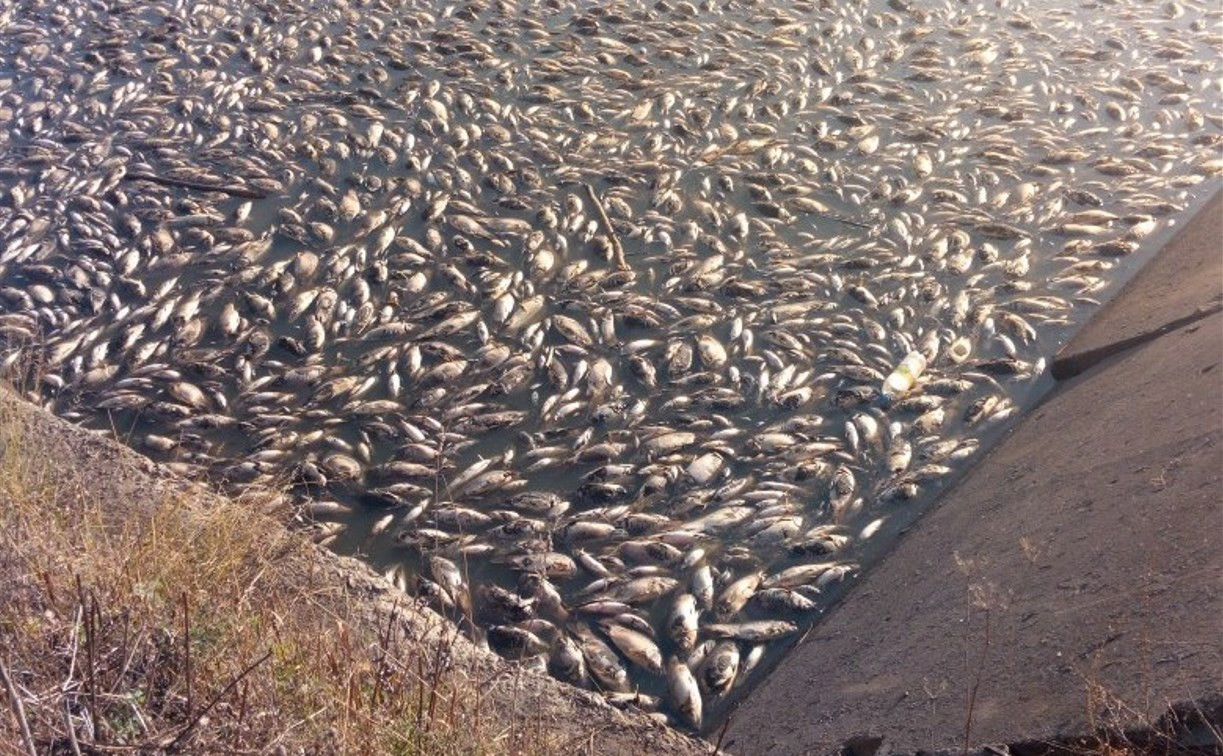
(1073, 579)
(1183, 283)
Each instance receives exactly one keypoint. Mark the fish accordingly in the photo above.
(637, 647)
(685, 695)
(720, 668)
(756, 632)
(606, 330)
(683, 622)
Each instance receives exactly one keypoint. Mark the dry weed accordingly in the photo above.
(187, 624)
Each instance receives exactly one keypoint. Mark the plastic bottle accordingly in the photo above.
(898, 383)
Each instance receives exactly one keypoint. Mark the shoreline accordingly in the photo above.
(93, 492)
(1071, 581)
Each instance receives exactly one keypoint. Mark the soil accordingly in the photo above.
(1073, 580)
(582, 721)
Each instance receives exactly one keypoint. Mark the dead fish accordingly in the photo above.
(755, 632)
(399, 298)
(720, 668)
(682, 622)
(638, 648)
(685, 695)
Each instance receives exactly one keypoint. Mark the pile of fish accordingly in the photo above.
(573, 318)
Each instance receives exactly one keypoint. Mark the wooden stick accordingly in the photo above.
(90, 630)
(235, 191)
(839, 219)
(72, 741)
(171, 746)
(19, 710)
(717, 747)
(187, 649)
(617, 250)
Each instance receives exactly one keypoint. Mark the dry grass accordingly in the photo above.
(1119, 729)
(192, 625)
(1113, 726)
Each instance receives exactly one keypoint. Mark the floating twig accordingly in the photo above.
(617, 249)
(839, 219)
(230, 189)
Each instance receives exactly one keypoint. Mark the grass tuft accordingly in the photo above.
(183, 622)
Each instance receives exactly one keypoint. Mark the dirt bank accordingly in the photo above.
(1072, 580)
(55, 699)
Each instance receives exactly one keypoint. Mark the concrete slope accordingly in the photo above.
(1179, 286)
(1073, 579)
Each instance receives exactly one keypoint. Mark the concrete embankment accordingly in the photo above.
(1072, 580)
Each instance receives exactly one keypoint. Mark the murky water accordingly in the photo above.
(351, 248)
